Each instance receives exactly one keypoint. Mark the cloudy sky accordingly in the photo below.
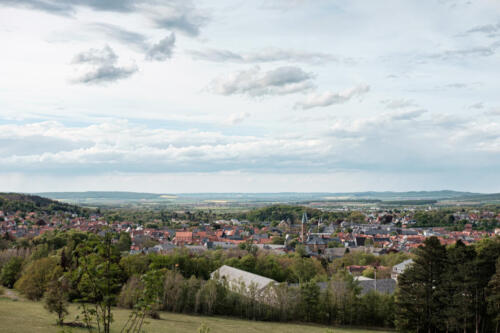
(249, 96)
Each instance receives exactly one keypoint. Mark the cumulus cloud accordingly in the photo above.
(69, 6)
(490, 30)
(100, 66)
(331, 98)
(120, 146)
(122, 35)
(178, 15)
(478, 51)
(162, 50)
(255, 82)
(350, 143)
(181, 23)
(266, 55)
(153, 51)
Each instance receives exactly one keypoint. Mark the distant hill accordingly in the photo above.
(112, 195)
(117, 198)
(13, 202)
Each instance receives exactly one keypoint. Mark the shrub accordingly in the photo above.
(203, 328)
(11, 271)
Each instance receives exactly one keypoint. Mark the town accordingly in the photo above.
(376, 232)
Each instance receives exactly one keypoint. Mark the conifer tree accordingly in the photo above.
(494, 297)
(418, 300)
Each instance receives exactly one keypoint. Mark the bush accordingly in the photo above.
(203, 328)
(2, 290)
(11, 271)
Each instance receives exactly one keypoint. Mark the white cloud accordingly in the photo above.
(161, 50)
(254, 82)
(267, 55)
(99, 66)
(332, 98)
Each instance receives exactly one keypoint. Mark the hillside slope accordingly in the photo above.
(13, 202)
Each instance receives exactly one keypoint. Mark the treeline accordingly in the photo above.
(455, 289)
(415, 202)
(445, 218)
(278, 213)
(340, 304)
(274, 213)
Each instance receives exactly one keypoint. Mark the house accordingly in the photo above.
(400, 268)
(183, 237)
(333, 253)
(316, 244)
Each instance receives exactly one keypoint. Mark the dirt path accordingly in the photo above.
(12, 294)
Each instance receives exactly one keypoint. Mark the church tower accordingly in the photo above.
(302, 233)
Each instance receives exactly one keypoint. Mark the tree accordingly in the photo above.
(369, 272)
(56, 296)
(369, 242)
(309, 299)
(124, 242)
(458, 288)
(357, 217)
(11, 271)
(99, 280)
(303, 269)
(35, 277)
(148, 303)
(488, 252)
(418, 299)
(494, 297)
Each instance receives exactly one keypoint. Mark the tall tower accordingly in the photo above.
(304, 221)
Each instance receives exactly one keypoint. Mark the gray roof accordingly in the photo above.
(400, 268)
(336, 252)
(235, 276)
(384, 286)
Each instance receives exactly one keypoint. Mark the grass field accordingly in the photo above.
(25, 316)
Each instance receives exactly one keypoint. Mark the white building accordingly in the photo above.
(400, 268)
(243, 282)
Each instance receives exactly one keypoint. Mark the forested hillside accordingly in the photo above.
(12, 202)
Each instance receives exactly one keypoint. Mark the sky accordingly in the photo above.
(180, 96)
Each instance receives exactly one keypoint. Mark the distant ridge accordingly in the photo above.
(90, 196)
